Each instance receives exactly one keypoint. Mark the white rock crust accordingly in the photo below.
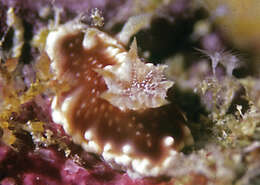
(18, 39)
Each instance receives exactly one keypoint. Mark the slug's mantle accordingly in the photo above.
(115, 105)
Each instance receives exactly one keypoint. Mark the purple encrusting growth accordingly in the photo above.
(32, 11)
(47, 166)
(211, 42)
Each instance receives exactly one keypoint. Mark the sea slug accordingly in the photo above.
(116, 105)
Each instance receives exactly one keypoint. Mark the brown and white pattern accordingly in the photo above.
(116, 104)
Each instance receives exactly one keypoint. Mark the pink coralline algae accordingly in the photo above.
(47, 166)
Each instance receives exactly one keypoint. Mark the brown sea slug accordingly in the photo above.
(116, 105)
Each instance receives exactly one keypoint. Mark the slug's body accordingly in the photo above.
(115, 105)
